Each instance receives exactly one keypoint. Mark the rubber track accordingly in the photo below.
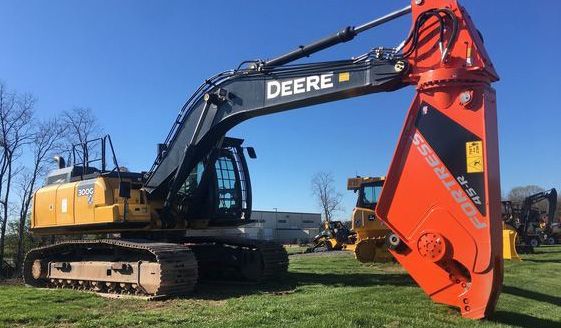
(178, 266)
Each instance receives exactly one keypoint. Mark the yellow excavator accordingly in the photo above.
(367, 236)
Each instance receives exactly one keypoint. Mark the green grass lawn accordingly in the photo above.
(319, 291)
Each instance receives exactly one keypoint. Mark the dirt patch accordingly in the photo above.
(163, 302)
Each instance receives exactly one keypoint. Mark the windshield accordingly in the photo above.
(192, 181)
(371, 195)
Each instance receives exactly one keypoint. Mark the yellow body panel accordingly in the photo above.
(370, 237)
(137, 209)
(509, 243)
(44, 214)
(334, 244)
(87, 202)
(366, 225)
(106, 214)
(350, 247)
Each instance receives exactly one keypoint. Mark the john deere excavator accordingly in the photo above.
(441, 200)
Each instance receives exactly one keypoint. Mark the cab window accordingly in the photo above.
(227, 182)
(192, 181)
(371, 195)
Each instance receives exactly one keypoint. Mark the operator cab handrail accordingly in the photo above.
(83, 150)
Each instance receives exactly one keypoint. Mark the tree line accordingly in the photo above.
(27, 147)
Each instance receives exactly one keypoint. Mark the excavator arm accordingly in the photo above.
(442, 194)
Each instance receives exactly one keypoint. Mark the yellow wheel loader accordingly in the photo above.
(335, 236)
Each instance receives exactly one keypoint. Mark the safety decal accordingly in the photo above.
(344, 77)
(474, 156)
(64, 205)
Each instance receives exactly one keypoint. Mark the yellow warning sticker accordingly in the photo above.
(344, 77)
(474, 157)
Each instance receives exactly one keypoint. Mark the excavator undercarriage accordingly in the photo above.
(114, 266)
(152, 269)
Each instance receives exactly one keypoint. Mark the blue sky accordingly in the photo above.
(135, 62)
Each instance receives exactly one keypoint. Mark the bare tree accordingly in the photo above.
(329, 200)
(16, 112)
(45, 140)
(518, 194)
(81, 126)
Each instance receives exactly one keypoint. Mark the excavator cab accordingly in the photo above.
(217, 192)
(369, 193)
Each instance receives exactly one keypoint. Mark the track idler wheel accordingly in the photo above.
(34, 271)
(38, 270)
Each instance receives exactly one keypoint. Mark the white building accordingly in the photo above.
(284, 227)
